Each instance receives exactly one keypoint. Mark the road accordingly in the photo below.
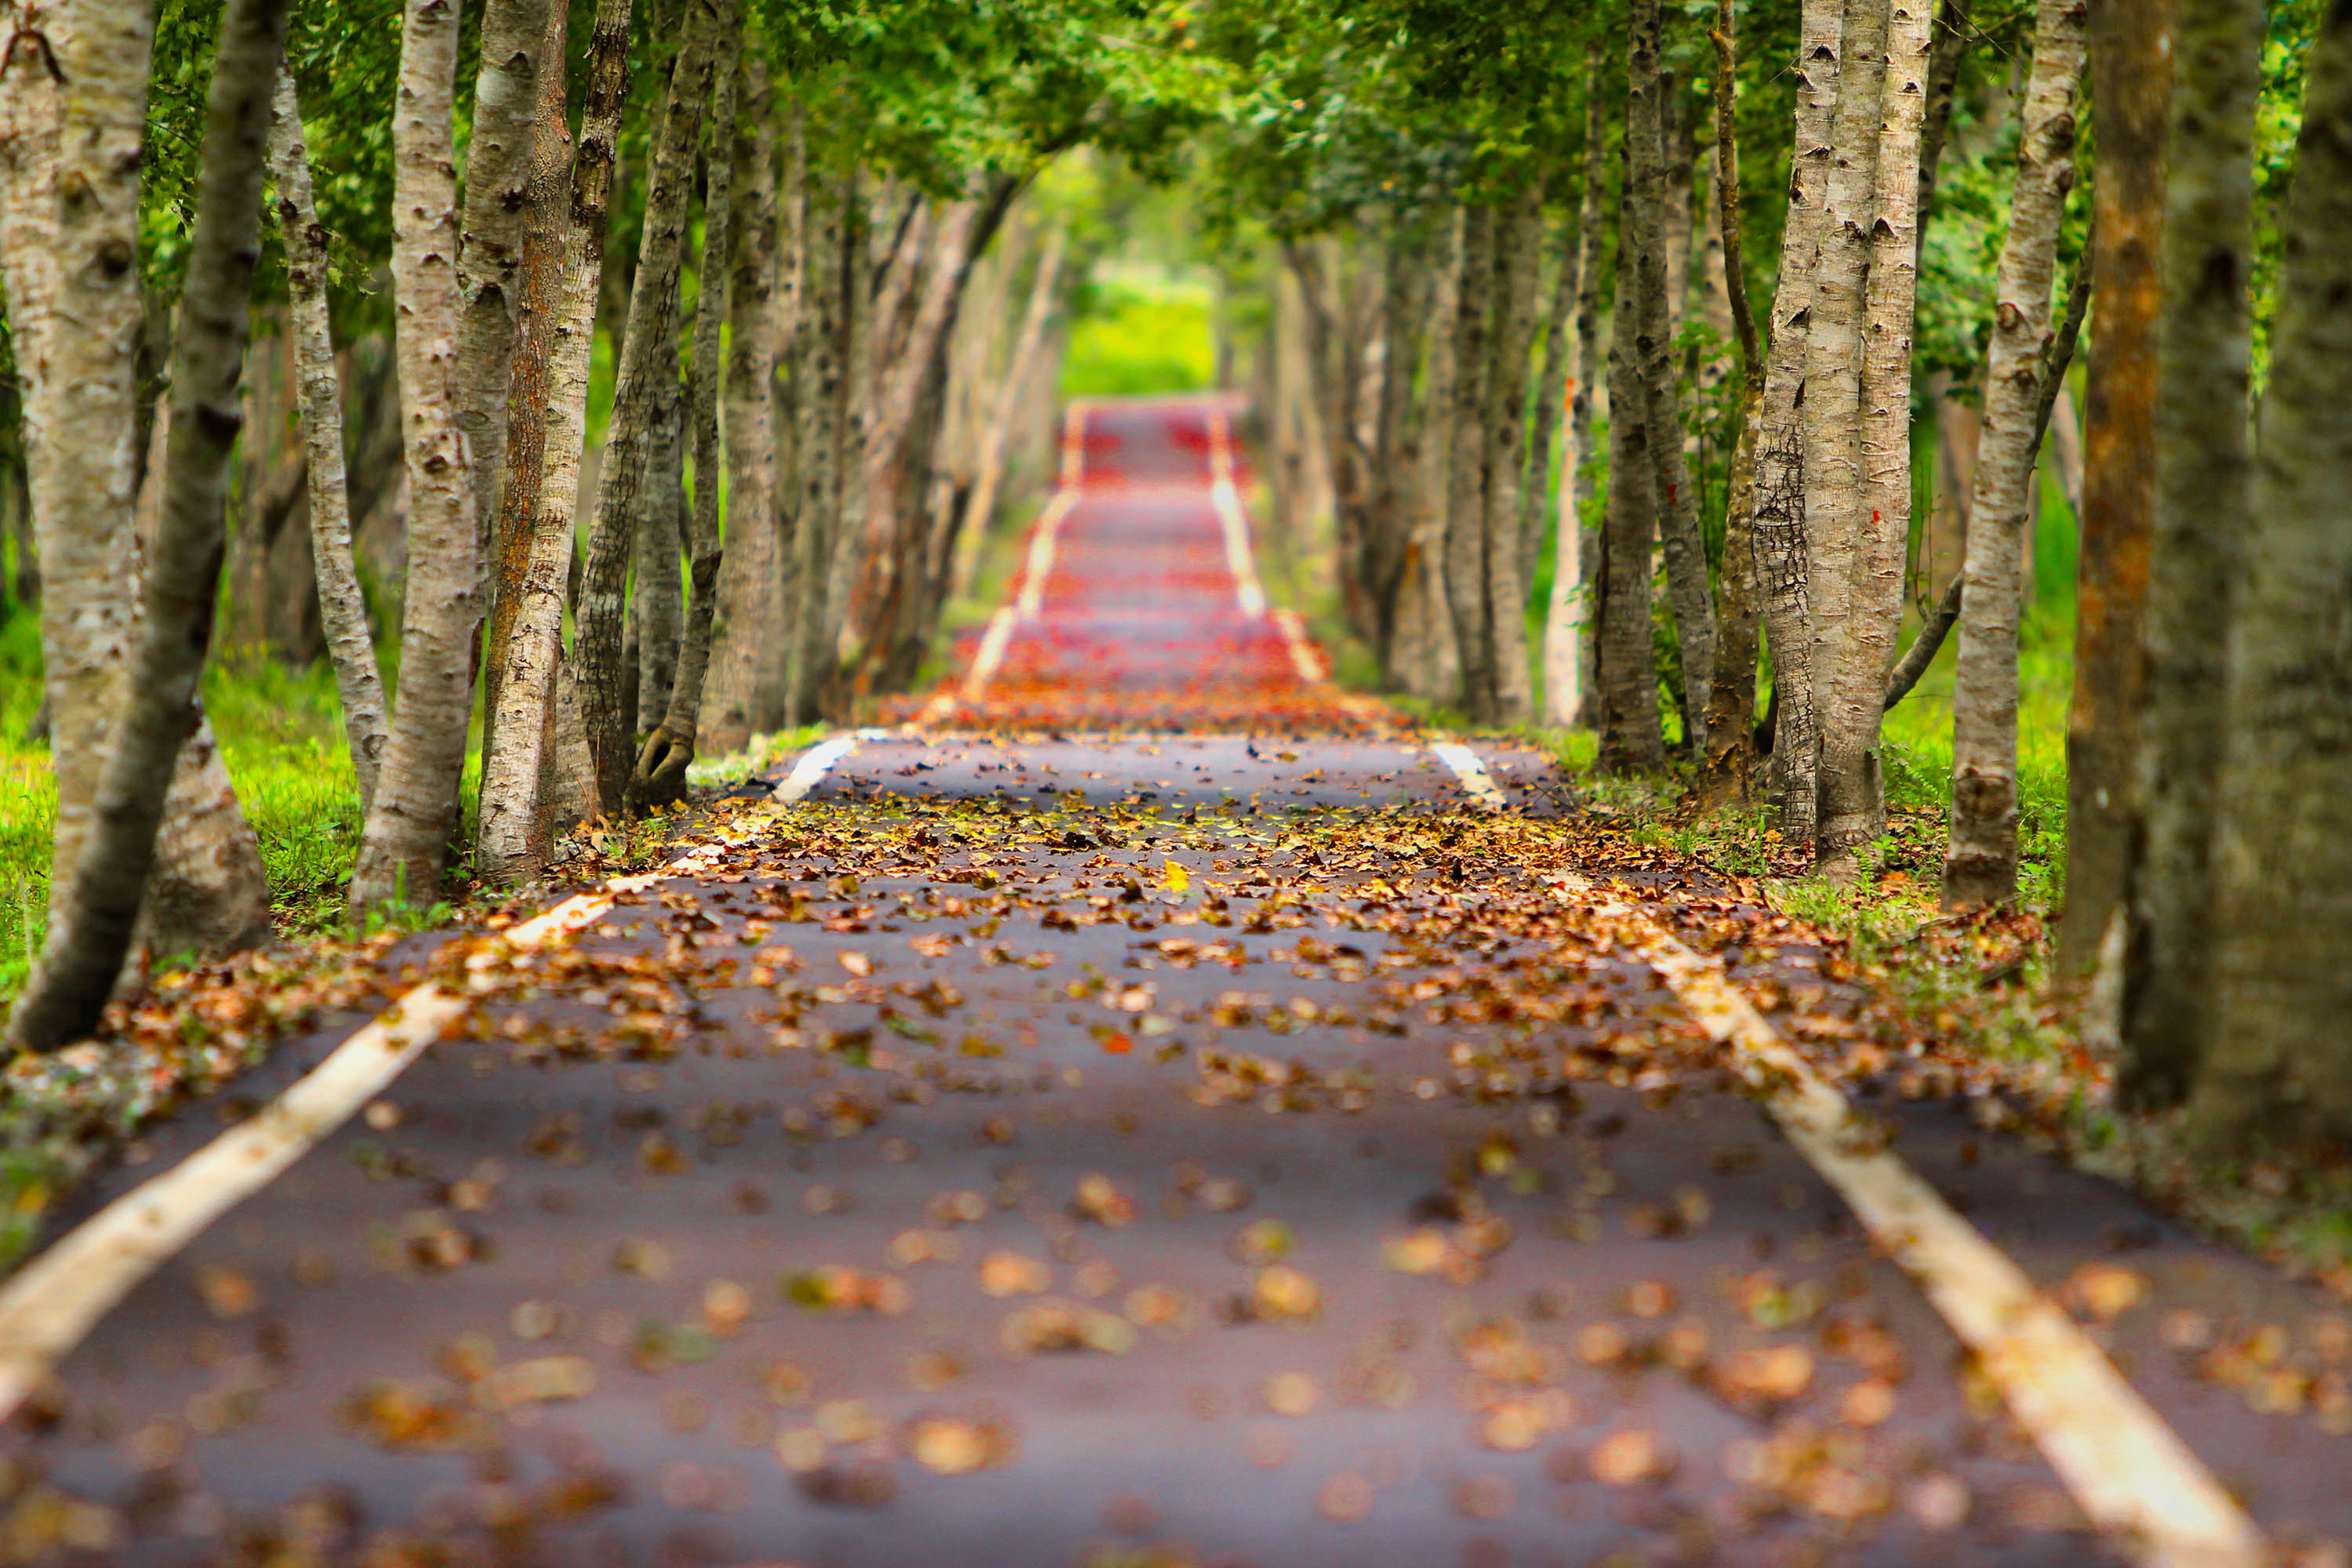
(1159, 1110)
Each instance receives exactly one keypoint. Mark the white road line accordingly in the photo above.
(1471, 772)
(1303, 656)
(58, 1298)
(2131, 1473)
(1226, 498)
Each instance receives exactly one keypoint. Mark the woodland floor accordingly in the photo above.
(1145, 1110)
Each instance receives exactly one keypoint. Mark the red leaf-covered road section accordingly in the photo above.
(1125, 1151)
(1136, 605)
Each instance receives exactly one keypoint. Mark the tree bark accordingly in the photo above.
(2203, 505)
(660, 775)
(1568, 617)
(350, 643)
(2280, 1077)
(1518, 256)
(1551, 392)
(516, 811)
(1834, 349)
(1731, 714)
(989, 474)
(92, 915)
(656, 579)
(1852, 791)
(74, 314)
(406, 839)
(1631, 737)
(1953, 29)
(743, 696)
(2131, 86)
(835, 273)
(1980, 867)
(636, 399)
(1465, 484)
(1675, 502)
(1782, 556)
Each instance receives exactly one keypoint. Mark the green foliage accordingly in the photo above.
(1135, 333)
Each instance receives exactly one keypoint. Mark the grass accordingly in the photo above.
(1138, 335)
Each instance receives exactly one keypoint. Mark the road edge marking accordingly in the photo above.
(2132, 1475)
(1225, 496)
(809, 769)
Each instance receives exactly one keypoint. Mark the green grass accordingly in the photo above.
(1137, 335)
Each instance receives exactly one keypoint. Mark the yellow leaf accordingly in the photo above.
(1174, 877)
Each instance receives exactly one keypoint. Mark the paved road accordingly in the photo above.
(1211, 1143)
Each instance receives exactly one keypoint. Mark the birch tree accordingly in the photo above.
(1518, 256)
(834, 263)
(1980, 866)
(92, 915)
(1568, 610)
(1466, 487)
(1632, 739)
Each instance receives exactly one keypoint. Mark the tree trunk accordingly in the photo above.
(1980, 866)
(1465, 482)
(73, 284)
(350, 643)
(1852, 791)
(660, 775)
(988, 473)
(637, 399)
(743, 697)
(1631, 737)
(1953, 28)
(862, 326)
(1834, 511)
(656, 580)
(406, 839)
(1551, 392)
(1782, 556)
(1397, 432)
(2280, 1077)
(1677, 220)
(1731, 714)
(2131, 85)
(835, 268)
(1518, 258)
(1673, 499)
(1568, 617)
(93, 913)
(515, 810)
(2203, 506)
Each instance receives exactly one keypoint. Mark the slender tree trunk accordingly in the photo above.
(1631, 737)
(93, 914)
(2131, 86)
(788, 394)
(990, 470)
(1953, 29)
(406, 839)
(351, 644)
(636, 400)
(1431, 664)
(750, 579)
(2203, 506)
(1519, 255)
(1981, 866)
(2280, 1077)
(536, 688)
(1396, 460)
(1782, 556)
(1675, 501)
(660, 773)
(1465, 485)
(862, 326)
(1834, 509)
(1852, 791)
(835, 268)
(1677, 220)
(1568, 617)
(1551, 392)
(656, 580)
(1731, 713)
(538, 286)
(74, 315)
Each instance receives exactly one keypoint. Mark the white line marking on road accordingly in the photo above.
(820, 760)
(1472, 773)
(1303, 656)
(2133, 1476)
(1226, 498)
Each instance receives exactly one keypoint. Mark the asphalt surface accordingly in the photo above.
(1187, 1144)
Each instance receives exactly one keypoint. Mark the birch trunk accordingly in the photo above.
(1980, 867)
(657, 582)
(1852, 797)
(833, 269)
(2280, 1077)
(350, 643)
(2131, 86)
(990, 470)
(625, 462)
(1390, 557)
(1519, 262)
(72, 279)
(406, 839)
(1676, 504)
(1431, 667)
(1631, 737)
(538, 286)
(1676, 221)
(497, 215)
(1568, 614)
(2203, 502)
(1465, 483)
(1783, 558)
(660, 775)
(515, 813)
(742, 697)
(1953, 27)
(1832, 402)
(1551, 391)
(93, 914)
